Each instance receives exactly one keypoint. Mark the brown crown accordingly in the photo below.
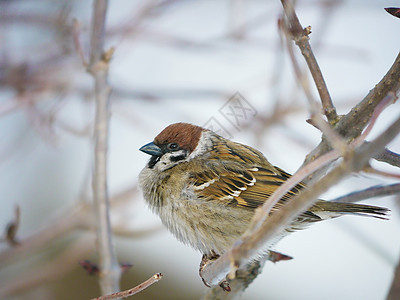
(185, 135)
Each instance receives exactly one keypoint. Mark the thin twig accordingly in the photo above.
(98, 66)
(375, 171)
(301, 38)
(127, 293)
(302, 79)
(374, 191)
(389, 99)
(77, 43)
(389, 157)
(334, 139)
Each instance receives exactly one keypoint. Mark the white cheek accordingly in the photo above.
(163, 163)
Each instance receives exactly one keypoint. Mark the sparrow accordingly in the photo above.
(205, 188)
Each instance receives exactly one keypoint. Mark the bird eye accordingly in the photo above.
(172, 146)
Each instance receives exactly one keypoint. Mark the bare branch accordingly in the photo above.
(389, 157)
(375, 171)
(77, 42)
(98, 67)
(244, 277)
(301, 38)
(389, 99)
(127, 293)
(351, 125)
(374, 191)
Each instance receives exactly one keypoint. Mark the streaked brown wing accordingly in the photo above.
(248, 188)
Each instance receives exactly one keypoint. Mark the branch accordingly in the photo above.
(77, 43)
(390, 98)
(389, 157)
(374, 191)
(301, 38)
(98, 67)
(351, 125)
(127, 293)
(244, 278)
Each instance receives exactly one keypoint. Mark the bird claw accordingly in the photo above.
(205, 260)
(225, 286)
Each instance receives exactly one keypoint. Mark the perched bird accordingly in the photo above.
(205, 188)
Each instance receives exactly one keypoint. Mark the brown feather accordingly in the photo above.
(185, 135)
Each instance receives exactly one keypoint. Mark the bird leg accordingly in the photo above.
(205, 260)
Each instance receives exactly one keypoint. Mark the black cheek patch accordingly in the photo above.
(153, 160)
(178, 158)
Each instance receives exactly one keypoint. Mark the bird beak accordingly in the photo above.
(151, 149)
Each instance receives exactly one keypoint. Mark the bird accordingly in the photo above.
(205, 189)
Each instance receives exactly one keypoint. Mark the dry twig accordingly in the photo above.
(127, 293)
(374, 191)
(301, 38)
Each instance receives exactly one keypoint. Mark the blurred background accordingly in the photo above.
(179, 61)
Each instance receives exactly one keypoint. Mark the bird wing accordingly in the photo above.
(245, 187)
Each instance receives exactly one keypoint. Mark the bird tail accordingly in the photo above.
(330, 209)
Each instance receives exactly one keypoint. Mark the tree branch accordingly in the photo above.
(301, 38)
(127, 293)
(243, 279)
(374, 191)
(389, 157)
(98, 67)
(351, 125)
